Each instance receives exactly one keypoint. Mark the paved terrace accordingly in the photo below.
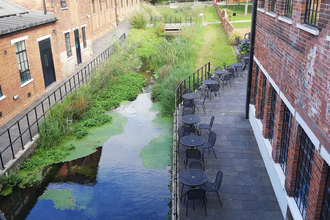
(246, 191)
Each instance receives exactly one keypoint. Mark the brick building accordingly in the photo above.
(289, 103)
(42, 41)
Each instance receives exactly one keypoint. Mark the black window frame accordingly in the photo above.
(111, 3)
(285, 137)
(256, 85)
(93, 6)
(272, 111)
(325, 210)
(22, 61)
(106, 4)
(83, 31)
(304, 172)
(272, 5)
(68, 44)
(121, 3)
(263, 96)
(288, 6)
(312, 14)
(100, 3)
(261, 4)
(63, 4)
(1, 91)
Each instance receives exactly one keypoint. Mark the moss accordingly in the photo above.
(6, 191)
(156, 154)
(62, 199)
(85, 170)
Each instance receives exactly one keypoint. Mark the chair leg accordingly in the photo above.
(187, 208)
(219, 94)
(204, 108)
(219, 198)
(205, 205)
(214, 153)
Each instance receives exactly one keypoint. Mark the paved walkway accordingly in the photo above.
(99, 46)
(246, 191)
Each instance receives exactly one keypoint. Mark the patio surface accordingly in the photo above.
(246, 191)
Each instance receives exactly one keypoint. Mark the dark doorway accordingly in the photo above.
(47, 62)
(76, 39)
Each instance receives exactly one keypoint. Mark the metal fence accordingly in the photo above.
(186, 19)
(192, 82)
(16, 136)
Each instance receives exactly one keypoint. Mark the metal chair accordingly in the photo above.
(206, 126)
(196, 194)
(209, 144)
(188, 104)
(215, 88)
(192, 154)
(218, 68)
(202, 103)
(225, 78)
(202, 88)
(214, 187)
(241, 69)
(232, 71)
(197, 165)
(187, 112)
(224, 65)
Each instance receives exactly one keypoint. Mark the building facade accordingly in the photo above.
(289, 103)
(41, 44)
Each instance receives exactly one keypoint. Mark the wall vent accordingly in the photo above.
(29, 94)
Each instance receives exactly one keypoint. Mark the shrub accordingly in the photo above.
(138, 18)
(235, 37)
(11, 180)
(230, 14)
(159, 29)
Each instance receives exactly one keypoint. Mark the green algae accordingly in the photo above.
(96, 138)
(62, 199)
(156, 155)
(6, 191)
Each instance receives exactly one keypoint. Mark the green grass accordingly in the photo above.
(242, 25)
(239, 10)
(211, 14)
(216, 48)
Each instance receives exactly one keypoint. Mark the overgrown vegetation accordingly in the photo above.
(239, 10)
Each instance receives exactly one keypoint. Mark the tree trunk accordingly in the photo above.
(246, 7)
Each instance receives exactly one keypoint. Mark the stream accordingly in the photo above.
(127, 177)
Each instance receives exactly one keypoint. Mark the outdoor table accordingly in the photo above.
(209, 83)
(192, 178)
(190, 96)
(246, 58)
(236, 65)
(190, 119)
(219, 72)
(192, 141)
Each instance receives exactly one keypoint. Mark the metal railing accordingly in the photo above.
(16, 136)
(186, 19)
(191, 82)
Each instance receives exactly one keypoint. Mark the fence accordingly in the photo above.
(16, 136)
(191, 82)
(186, 19)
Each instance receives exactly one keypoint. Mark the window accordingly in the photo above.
(84, 37)
(273, 5)
(325, 211)
(68, 45)
(93, 5)
(121, 3)
(262, 102)
(132, 2)
(100, 5)
(288, 8)
(63, 4)
(111, 3)
(23, 64)
(126, 3)
(272, 116)
(285, 139)
(312, 12)
(304, 169)
(261, 4)
(106, 4)
(0, 91)
(256, 85)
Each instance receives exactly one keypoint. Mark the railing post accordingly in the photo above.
(3, 166)
(11, 144)
(28, 122)
(35, 111)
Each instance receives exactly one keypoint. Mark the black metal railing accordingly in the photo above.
(16, 136)
(176, 19)
(190, 83)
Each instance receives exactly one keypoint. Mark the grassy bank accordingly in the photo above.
(242, 24)
(239, 10)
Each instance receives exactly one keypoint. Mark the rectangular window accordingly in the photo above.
(126, 3)
(106, 4)
(121, 3)
(0, 91)
(261, 4)
(84, 37)
(272, 116)
(273, 5)
(23, 64)
(312, 12)
(304, 170)
(111, 3)
(93, 6)
(63, 4)
(256, 85)
(325, 211)
(263, 94)
(100, 5)
(288, 8)
(68, 45)
(285, 139)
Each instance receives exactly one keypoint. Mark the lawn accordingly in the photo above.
(211, 14)
(239, 10)
(216, 48)
(242, 24)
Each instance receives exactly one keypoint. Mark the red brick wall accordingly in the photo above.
(224, 19)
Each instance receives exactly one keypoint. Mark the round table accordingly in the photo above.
(219, 72)
(209, 83)
(236, 64)
(193, 177)
(190, 119)
(192, 141)
(190, 96)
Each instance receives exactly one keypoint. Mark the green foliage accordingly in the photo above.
(11, 180)
(159, 29)
(211, 14)
(230, 14)
(243, 48)
(138, 18)
(80, 131)
(242, 24)
(239, 10)
(235, 37)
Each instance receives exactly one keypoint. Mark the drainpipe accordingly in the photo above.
(45, 10)
(253, 31)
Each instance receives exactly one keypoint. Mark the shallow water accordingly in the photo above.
(113, 183)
